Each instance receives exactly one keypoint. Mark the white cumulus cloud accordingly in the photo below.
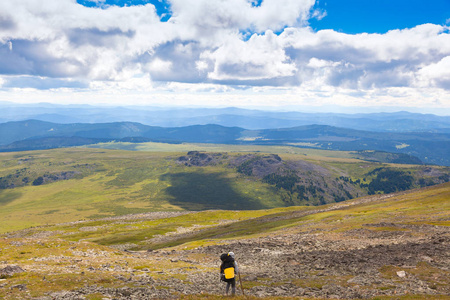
(212, 43)
(437, 74)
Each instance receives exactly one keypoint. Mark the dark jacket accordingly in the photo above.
(229, 262)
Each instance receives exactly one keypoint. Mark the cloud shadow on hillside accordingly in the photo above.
(8, 197)
(199, 191)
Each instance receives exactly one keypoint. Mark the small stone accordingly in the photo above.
(427, 258)
(21, 287)
(251, 278)
(401, 274)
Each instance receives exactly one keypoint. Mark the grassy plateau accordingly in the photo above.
(54, 186)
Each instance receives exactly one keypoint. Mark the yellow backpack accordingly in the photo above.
(227, 266)
(229, 273)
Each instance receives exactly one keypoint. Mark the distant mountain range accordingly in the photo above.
(429, 147)
(228, 117)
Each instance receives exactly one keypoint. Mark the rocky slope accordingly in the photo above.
(321, 256)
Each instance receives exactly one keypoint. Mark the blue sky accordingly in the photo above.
(374, 54)
(380, 16)
(349, 16)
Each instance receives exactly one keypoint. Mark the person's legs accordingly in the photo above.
(231, 283)
(233, 287)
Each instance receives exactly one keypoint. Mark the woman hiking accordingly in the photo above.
(228, 271)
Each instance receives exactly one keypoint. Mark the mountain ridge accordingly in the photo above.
(228, 116)
(431, 148)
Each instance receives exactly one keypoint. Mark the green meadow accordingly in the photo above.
(63, 185)
(184, 147)
(115, 182)
(428, 206)
(423, 207)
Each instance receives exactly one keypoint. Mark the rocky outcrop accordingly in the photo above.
(10, 270)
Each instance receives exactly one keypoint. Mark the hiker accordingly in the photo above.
(228, 271)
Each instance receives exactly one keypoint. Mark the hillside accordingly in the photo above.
(44, 187)
(415, 147)
(378, 247)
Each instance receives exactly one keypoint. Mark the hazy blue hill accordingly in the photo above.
(198, 134)
(430, 147)
(21, 130)
(228, 117)
(310, 132)
(325, 132)
(49, 143)
(245, 121)
(57, 118)
(15, 131)
(109, 130)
